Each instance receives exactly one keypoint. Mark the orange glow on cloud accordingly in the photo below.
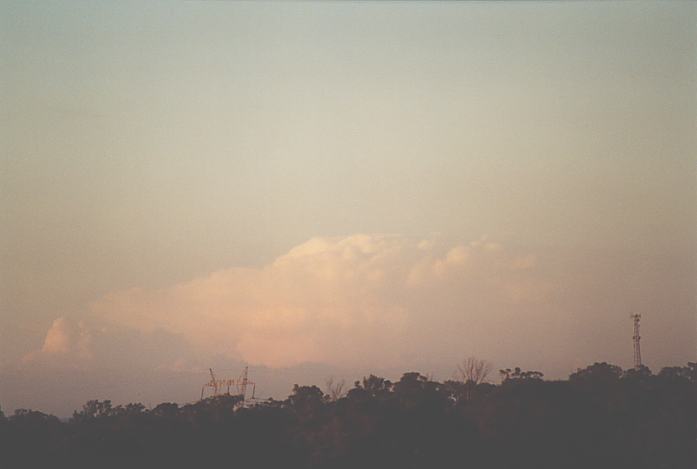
(332, 300)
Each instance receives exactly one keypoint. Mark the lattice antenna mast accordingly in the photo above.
(637, 338)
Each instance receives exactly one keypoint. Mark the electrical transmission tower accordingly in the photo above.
(243, 382)
(637, 338)
(218, 385)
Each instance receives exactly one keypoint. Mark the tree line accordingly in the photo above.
(600, 417)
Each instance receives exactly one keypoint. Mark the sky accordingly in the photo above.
(339, 188)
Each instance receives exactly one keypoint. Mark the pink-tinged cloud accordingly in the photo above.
(67, 344)
(350, 301)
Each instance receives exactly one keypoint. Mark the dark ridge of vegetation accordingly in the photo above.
(601, 417)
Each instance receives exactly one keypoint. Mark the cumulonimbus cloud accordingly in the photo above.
(67, 342)
(345, 300)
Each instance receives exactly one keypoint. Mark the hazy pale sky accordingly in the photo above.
(340, 187)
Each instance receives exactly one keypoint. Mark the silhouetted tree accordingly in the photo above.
(92, 410)
(519, 375)
(473, 370)
(601, 417)
(335, 389)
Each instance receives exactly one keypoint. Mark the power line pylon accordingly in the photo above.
(214, 383)
(243, 382)
(637, 338)
(218, 385)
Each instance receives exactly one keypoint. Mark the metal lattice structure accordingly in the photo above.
(637, 338)
(243, 382)
(240, 385)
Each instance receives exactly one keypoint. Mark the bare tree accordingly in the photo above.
(334, 389)
(473, 370)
